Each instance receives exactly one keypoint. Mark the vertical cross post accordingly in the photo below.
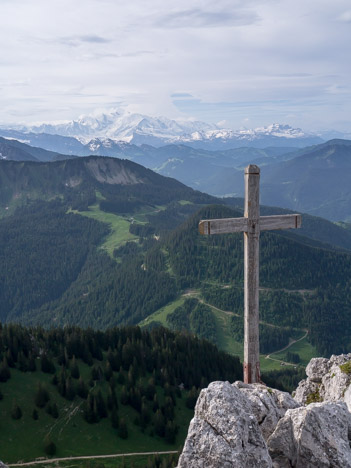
(251, 275)
(251, 225)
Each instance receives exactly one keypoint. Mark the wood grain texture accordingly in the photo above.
(251, 275)
(222, 226)
(280, 222)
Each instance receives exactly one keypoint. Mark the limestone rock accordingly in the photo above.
(224, 432)
(307, 392)
(326, 380)
(347, 397)
(316, 368)
(268, 405)
(313, 436)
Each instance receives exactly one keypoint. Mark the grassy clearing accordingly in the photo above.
(267, 365)
(119, 226)
(224, 338)
(161, 314)
(227, 343)
(141, 217)
(303, 348)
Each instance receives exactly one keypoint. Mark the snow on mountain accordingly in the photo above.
(118, 125)
(122, 126)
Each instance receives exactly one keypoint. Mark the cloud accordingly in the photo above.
(181, 95)
(345, 17)
(94, 39)
(198, 18)
(227, 60)
(75, 41)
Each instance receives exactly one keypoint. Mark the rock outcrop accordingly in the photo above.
(327, 380)
(313, 436)
(241, 425)
(268, 405)
(2, 465)
(224, 432)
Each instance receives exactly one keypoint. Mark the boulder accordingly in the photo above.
(327, 380)
(268, 405)
(224, 432)
(2, 465)
(314, 436)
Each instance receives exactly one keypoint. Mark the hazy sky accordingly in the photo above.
(246, 63)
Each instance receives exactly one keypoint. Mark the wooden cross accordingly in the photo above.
(250, 225)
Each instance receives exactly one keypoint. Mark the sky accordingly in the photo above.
(244, 63)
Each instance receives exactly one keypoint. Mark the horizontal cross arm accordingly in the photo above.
(222, 226)
(268, 223)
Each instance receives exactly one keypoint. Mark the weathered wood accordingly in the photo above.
(228, 225)
(251, 225)
(223, 225)
(251, 276)
(292, 221)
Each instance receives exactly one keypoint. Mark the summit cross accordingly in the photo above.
(251, 225)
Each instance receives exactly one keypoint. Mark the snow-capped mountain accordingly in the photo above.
(138, 129)
(123, 126)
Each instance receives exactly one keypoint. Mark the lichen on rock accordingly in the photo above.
(328, 378)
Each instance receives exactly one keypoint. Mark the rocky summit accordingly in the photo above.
(251, 425)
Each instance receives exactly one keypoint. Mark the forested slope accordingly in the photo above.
(54, 269)
(81, 392)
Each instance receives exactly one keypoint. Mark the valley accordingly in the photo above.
(82, 250)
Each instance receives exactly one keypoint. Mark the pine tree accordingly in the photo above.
(49, 447)
(114, 419)
(123, 429)
(41, 396)
(16, 412)
(75, 374)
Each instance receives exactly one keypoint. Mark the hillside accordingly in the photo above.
(13, 150)
(316, 182)
(76, 180)
(79, 392)
(104, 245)
(313, 180)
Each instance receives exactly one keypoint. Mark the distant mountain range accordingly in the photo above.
(314, 180)
(119, 126)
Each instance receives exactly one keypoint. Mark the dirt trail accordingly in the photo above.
(195, 293)
(89, 457)
(285, 348)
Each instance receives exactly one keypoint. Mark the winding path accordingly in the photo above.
(196, 293)
(285, 348)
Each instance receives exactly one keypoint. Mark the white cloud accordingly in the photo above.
(230, 60)
(345, 16)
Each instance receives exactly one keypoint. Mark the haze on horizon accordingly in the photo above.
(238, 63)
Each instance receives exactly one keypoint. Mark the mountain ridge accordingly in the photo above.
(119, 125)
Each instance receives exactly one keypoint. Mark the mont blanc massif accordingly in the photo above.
(117, 317)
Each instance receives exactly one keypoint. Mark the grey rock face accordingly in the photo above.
(232, 423)
(325, 381)
(224, 432)
(268, 405)
(313, 436)
(2, 465)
